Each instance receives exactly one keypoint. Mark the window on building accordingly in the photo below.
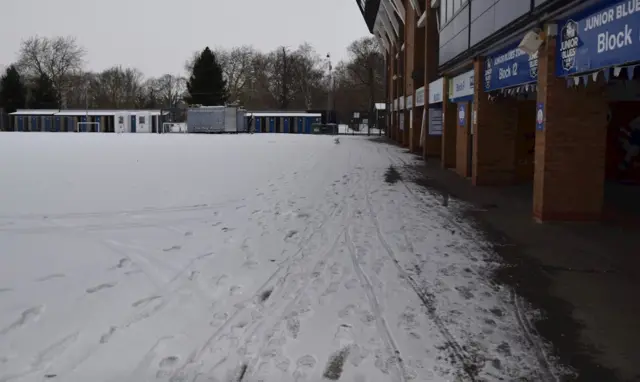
(141, 120)
(457, 4)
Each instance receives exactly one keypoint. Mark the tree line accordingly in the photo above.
(50, 73)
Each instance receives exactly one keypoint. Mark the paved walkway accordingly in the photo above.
(584, 277)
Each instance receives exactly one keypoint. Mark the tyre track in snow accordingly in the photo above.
(427, 298)
(381, 323)
(523, 323)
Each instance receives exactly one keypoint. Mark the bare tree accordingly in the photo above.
(56, 57)
(236, 65)
(115, 88)
(169, 89)
(307, 75)
(365, 71)
(258, 91)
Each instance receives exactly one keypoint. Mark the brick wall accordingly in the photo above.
(570, 151)
(433, 144)
(418, 64)
(449, 130)
(494, 136)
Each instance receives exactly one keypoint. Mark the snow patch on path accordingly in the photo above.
(295, 261)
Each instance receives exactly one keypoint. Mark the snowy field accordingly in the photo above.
(241, 258)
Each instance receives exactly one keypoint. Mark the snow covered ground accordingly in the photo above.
(248, 257)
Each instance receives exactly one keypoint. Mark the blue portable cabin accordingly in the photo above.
(99, 121)
(32, 119)
(284, 122)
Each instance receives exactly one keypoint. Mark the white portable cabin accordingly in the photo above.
(138, 121)
(122, 122)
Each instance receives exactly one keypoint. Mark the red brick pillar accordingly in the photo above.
(462, 139)
(449, 129)
(494, 136)
(433, 143)
(570, 149)
(398, 94)
(409, 35)
(412, 131)
(389, 96)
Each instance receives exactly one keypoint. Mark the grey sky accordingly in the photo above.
(157, 36)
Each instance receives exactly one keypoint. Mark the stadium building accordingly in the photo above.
(540, 93)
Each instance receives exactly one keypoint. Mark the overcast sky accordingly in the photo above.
(157, 36)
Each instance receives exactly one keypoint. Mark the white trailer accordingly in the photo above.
(212, 119)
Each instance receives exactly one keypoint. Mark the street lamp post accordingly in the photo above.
(329, 87)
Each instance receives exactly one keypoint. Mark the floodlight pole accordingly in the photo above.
(329, 88)
(86, 105)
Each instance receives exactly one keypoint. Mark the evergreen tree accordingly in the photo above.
(44, 94)
(13, 93)
(206, 85)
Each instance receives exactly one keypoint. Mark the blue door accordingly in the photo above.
(133, 123)
(258, 125)
(34, 124)
(20, 126)
(98, 127)
(56, 124)
(272, 125)
(307, 122)
(47, 123)
(300, 124)
(286, 124)
(83, 126)
(70, 122)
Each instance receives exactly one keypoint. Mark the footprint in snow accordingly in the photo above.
(291, 234)
(107, 336)
(167, 366)
(304, 366)
(344, 336)
(100, 287)
(351, 284)
(50, 277)
(26, 316)
(283, 363)
(293, 326)
(144, 301)
(219, 319)
(123, 263)
(347, 311)
(251, 264)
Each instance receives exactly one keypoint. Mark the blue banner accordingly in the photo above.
(599, 37)
(540, 117)
(462, 114)
(510, 67)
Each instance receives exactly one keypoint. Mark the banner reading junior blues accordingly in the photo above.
(510, 67)
(599, 37)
